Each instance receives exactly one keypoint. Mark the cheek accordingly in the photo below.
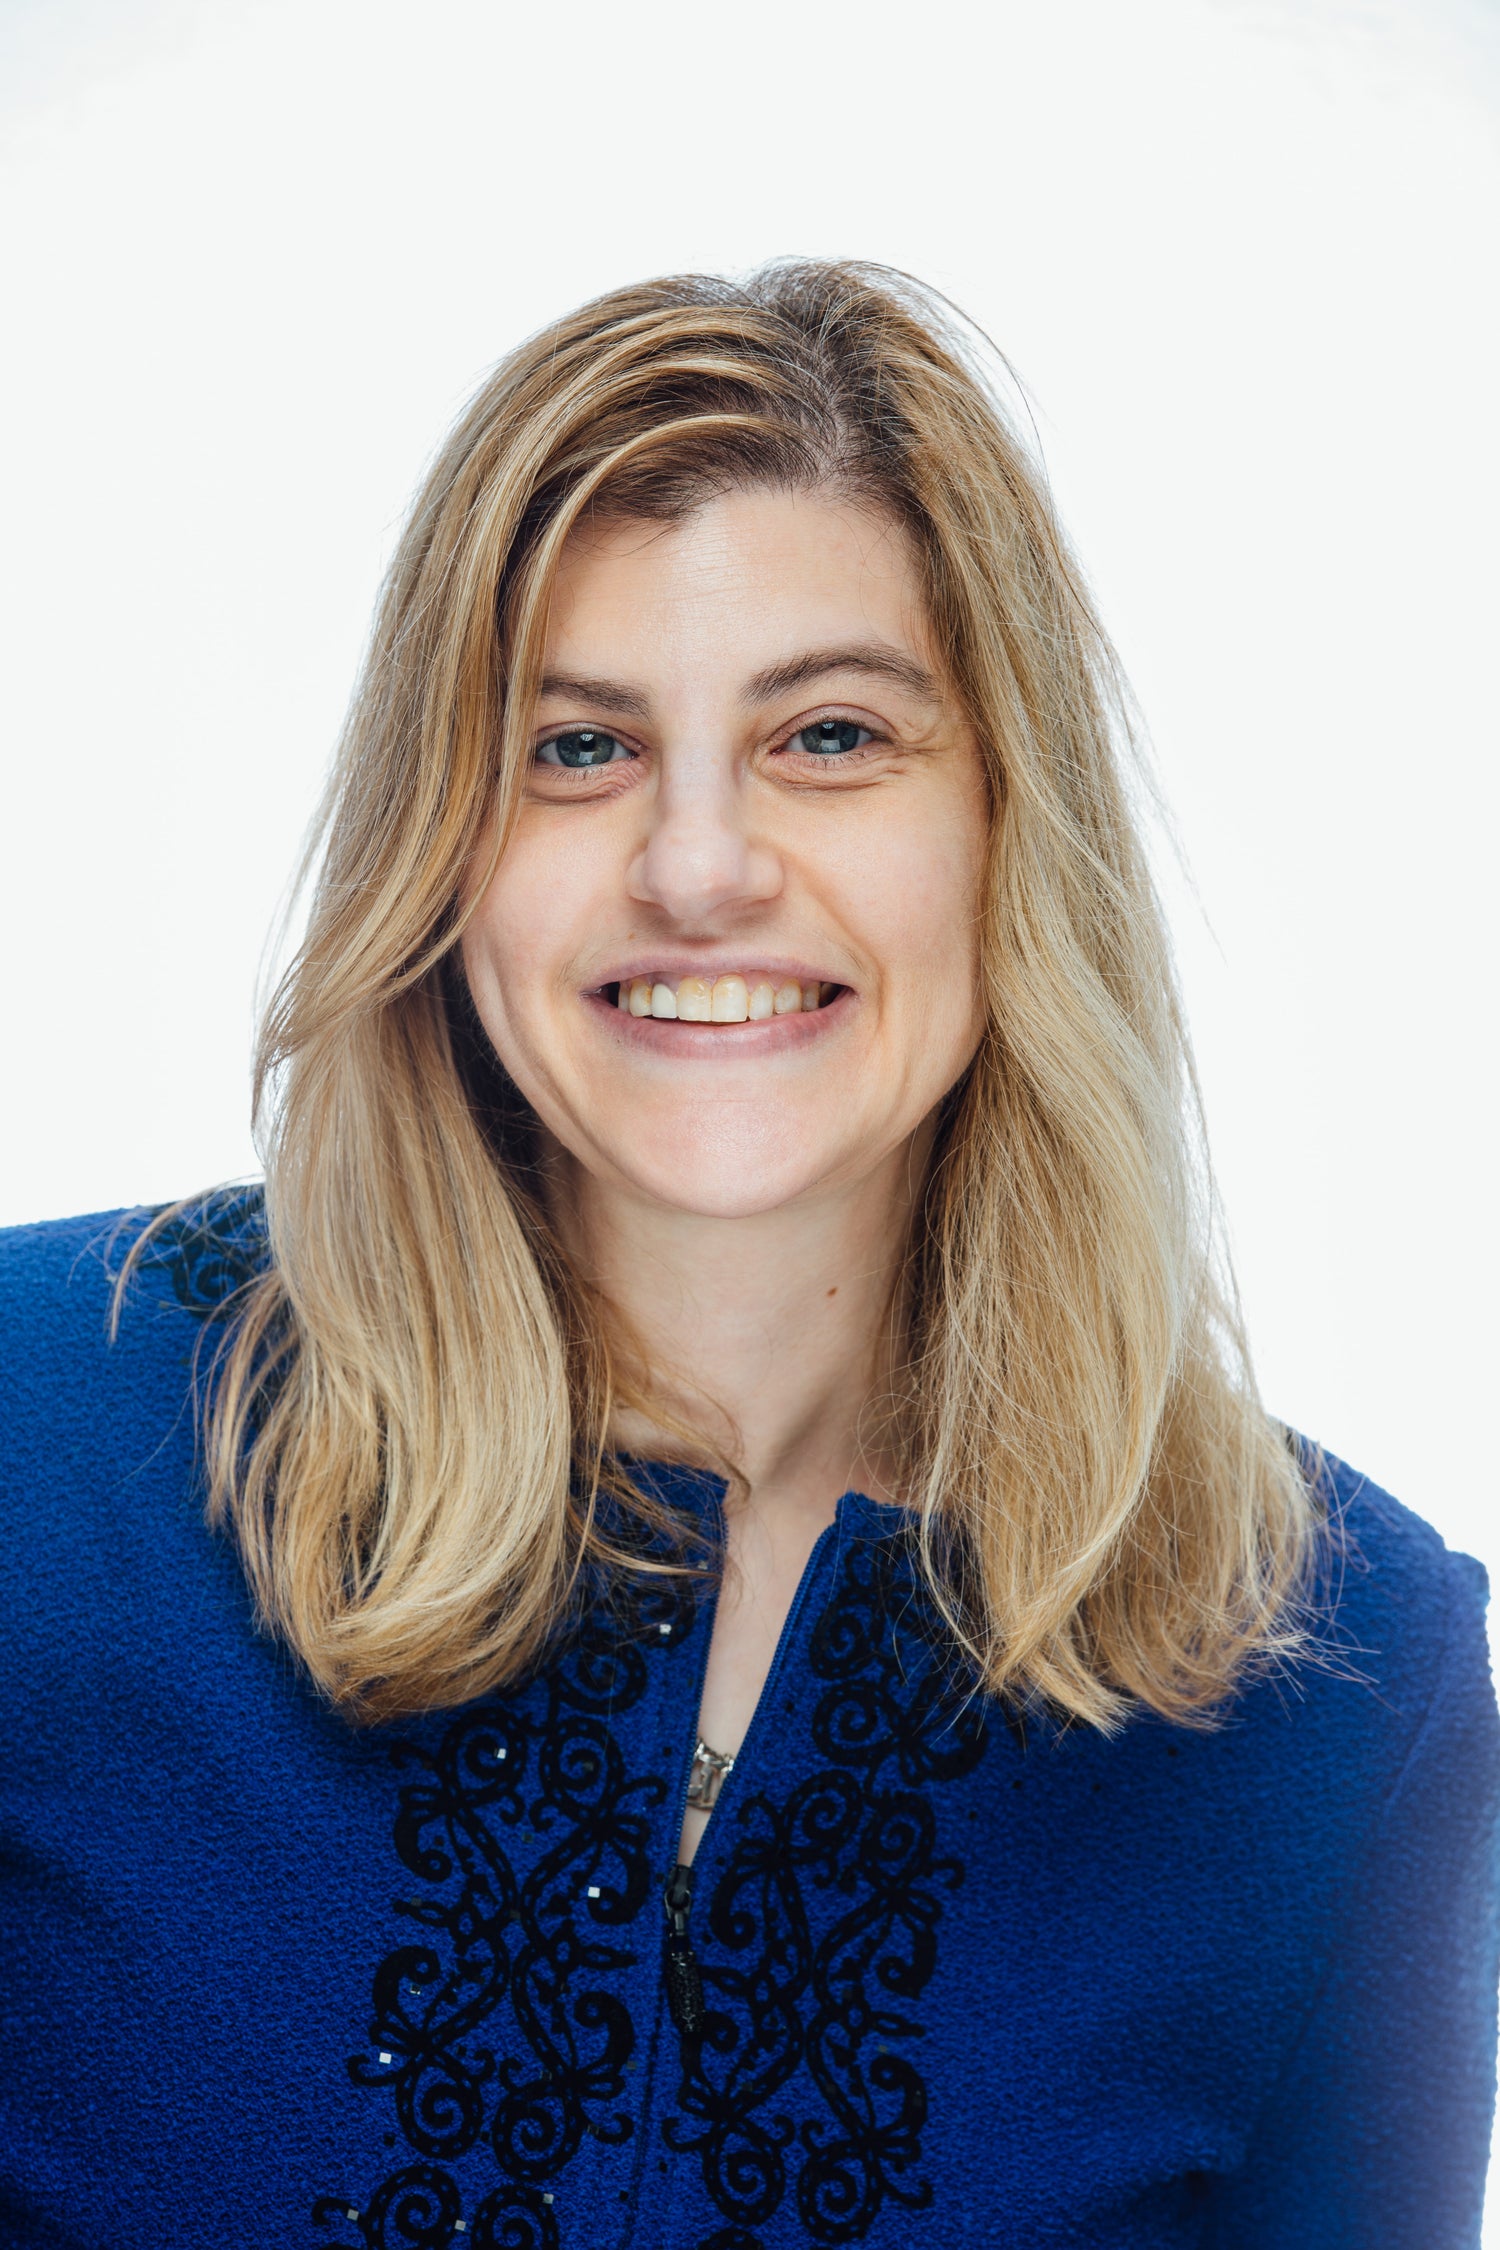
(515, 943)
(916, 891)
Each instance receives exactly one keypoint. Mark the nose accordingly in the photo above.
(699, 857)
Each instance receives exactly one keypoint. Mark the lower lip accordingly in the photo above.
(722, 1042)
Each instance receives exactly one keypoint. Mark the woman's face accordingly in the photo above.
(730, 953)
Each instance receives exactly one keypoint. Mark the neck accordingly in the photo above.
(770, 1334)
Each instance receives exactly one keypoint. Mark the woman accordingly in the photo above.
(733, 1063)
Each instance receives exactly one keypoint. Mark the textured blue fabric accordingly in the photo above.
(268, 1981)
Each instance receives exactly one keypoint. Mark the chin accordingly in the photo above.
(719, 1182)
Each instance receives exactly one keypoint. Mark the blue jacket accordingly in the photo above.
(269, 1981)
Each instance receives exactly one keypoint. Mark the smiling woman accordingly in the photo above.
(823, 1709)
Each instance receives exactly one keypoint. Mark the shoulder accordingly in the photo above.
(1391, 1602)
(1395, 1679)
(56, 1292)
(101, 1317)
(113, 1591)
(60, 1280)
(1380, 1730)
(45, 1265)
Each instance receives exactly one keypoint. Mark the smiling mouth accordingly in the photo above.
(727, 999)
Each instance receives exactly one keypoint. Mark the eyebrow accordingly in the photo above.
(872, 657)
(608, 695)
(868, 656)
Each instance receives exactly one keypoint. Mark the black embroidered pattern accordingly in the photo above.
(210, 1250)
(420, 2209)
(891, 1722)
(495, 2025)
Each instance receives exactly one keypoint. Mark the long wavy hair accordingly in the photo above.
(407, 1426)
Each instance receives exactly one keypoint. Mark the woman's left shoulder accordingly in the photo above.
(1390, 1595)
(1396, 1673)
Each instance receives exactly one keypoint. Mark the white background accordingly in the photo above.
(1243, 256)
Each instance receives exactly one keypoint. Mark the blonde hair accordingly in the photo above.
(407, 1423)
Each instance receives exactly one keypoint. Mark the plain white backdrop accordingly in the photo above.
(1243, 257)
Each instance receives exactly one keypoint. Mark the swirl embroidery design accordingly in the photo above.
(211, 1250)
(494, 2024)
(890, 1724)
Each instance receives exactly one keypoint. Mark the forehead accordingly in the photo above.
(738, 581)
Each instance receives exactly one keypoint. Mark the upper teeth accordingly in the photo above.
(730, 999)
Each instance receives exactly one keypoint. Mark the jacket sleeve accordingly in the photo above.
(1376, 2136)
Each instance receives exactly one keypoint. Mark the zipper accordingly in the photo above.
(681, 1971)
(684, 1978)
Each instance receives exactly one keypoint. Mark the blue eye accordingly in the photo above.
(829, 737)
(581, 748)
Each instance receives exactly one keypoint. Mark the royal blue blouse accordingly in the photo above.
(947, 1976)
